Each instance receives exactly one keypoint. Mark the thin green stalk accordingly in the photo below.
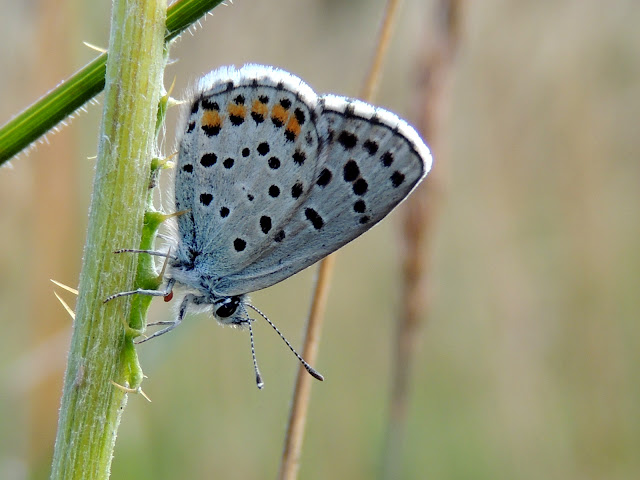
(62, 101)
(100, 350)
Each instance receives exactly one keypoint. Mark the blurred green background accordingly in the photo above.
(529, 357)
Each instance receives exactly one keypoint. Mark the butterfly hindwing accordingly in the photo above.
(254, 131)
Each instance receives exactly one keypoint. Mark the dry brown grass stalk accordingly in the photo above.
(418, 216)
(297, 419)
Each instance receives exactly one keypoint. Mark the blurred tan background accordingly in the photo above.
(528, 367)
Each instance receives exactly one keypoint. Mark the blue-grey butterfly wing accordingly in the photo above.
(246, 161)
(368, 163)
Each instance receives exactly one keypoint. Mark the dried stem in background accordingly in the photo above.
(419, 214)
(290, 462)
(372, 80)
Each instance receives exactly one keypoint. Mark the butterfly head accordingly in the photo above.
(231, 311)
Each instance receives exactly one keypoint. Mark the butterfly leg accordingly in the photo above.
(190, 298)
(155, 253)
(141, 291)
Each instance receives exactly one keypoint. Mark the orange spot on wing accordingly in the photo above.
(237, 110)
(280, 114)
(293, 126)
(211, 118)
(259, 108)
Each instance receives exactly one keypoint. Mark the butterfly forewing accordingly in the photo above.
(370, 161)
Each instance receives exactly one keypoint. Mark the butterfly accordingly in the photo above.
(271, 178)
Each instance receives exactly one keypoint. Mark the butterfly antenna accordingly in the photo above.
(308, 367)
(259, 381)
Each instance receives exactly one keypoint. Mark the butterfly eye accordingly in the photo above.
(228, 307)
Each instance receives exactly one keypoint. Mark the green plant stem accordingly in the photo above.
(91, 405)
(62, 101)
